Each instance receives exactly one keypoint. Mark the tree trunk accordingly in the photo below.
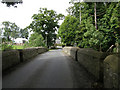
(8, 38)
(80, 12)
(95, 16)
(96, 23)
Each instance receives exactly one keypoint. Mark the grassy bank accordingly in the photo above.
(18, 47)
(10, 47)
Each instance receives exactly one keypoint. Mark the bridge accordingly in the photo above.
(69, 67)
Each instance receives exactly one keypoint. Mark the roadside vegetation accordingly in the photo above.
(44, 27)
(87, 25)
(92, 25)
(11, 47)
(9, 32)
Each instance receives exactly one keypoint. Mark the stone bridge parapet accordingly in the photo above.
(103, 66)
(13, 57)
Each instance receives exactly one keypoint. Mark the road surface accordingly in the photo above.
(53, 69)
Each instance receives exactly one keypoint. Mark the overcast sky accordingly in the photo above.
(23, 13)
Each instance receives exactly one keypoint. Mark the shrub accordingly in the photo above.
(6, 46)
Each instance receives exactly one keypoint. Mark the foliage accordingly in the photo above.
(24, 33)
(107, 32)
(18, 47)
(10, 30)
(35, 40)
(11, 3)
(67, 30)
(6, 46)
(58, 44)
(46, 24)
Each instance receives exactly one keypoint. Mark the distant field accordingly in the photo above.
(18, 47)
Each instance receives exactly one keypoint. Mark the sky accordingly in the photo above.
(23, 13)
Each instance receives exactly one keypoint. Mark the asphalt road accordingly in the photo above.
(53, 69)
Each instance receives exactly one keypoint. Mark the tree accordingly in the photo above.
(11, 2)
(10, 30)
(46, 24)
(102, 38)
(24, 33)
(100, 24)
(74, 10)
(110, 24)
(95, 16)
(36, 40)
(67, 30)
(15, 31)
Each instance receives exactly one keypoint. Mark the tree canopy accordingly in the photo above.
(35, 40)
(99, 27)
(12, 31)
(12, 2)
(46, 24)
(67, 30)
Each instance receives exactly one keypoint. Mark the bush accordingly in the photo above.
(6, 46)
(36, 40)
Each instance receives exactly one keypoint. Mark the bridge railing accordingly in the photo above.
(13, 57)
(103, 66)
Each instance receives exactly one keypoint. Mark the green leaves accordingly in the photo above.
(67, 30)
(46, 24)
(36, 40)
(24, 33)
(108, 24)
(12, 31)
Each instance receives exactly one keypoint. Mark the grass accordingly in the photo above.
(18, 47)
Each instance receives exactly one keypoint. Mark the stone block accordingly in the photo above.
(111, 71)
(10, 58)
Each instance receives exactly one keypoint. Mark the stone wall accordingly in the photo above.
(41, 50)
(111, 71)
(104, 67)
(92, 60)
(72, 51)
(89, 59)
(10, 58)
(67, 50)
(13, 57)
